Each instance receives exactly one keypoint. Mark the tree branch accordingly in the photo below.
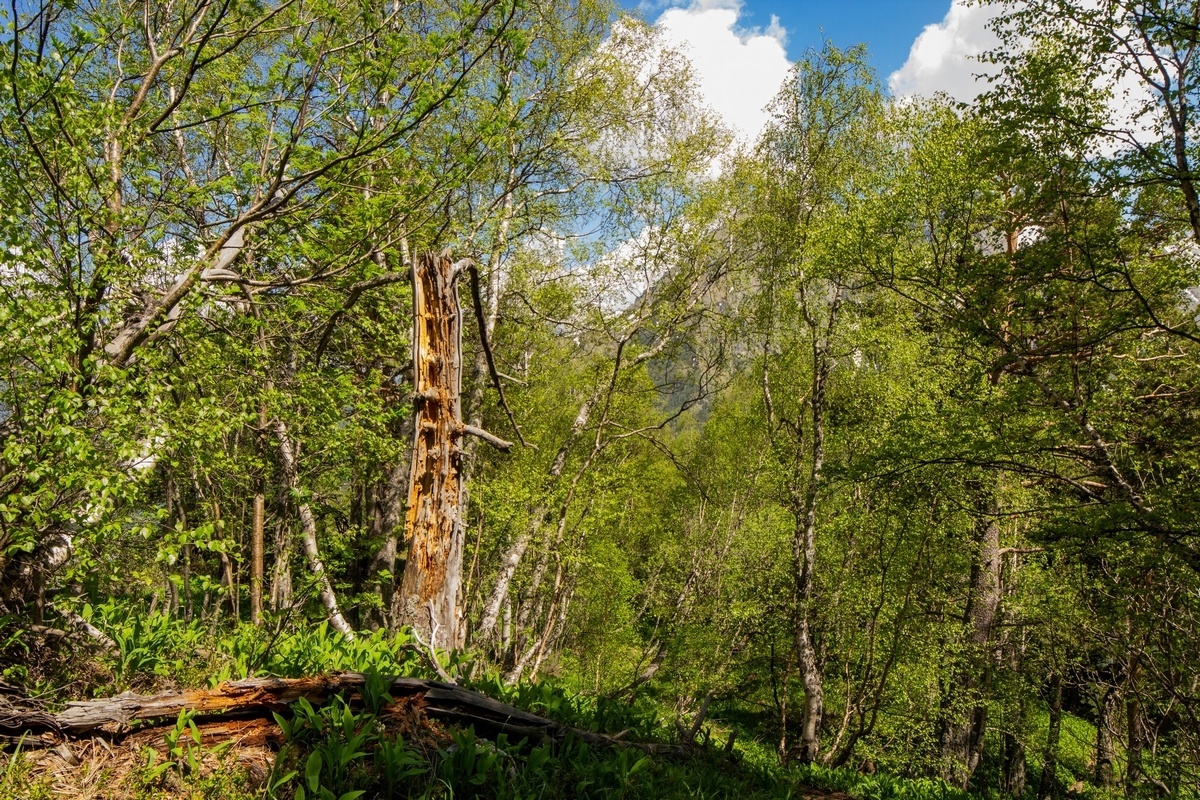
(490, 438)
(477, 302)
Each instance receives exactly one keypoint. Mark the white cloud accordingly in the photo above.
(739, 69)
(617, 279)
(943, 56)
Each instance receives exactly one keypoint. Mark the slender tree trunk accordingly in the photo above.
(963, 737)
(982, 614)
(479, 381)
(810, 675)
(783, 694)
(1180, 134)
(560, 594)
(226, 565)
(1134, 739)
(538, 642)
(529, 608)
(1014, 767)
(308, 529)
(430, 592)
(554, 632)
(178, 516)
(479, 378)
(387, 515)
(516, 550)
(804, 558)
(281, 574)
(188, 608)
(258, 516)
(173, 591)
(1104, 741)
(531, 603)
(1050, 759)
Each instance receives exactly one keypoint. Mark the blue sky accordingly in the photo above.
(888, 27)
(742, 49)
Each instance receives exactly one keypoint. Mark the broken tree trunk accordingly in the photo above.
(257, 698)
(431, 589)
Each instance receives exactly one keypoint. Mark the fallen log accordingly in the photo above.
(253, 732)
(23, 716)
(256, 698)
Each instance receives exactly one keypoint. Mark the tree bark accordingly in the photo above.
(804, 557)
(235, 701)
(1133, 727)
(1012, 778)
(486, 318)
(281, 574)
(258, 518)
(512, 556)
(256, 554)
(178, 517)
(1104, 742)
(308, 528)
(1014, 767)
(430, 592)
(983, 614)
(227, 566)
(387, 515)
(963, 738)
(1050, 759)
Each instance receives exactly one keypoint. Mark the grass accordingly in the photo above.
(335, 752)
(338, 753)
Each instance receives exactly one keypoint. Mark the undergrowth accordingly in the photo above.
(337, 752)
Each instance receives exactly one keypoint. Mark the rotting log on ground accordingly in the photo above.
(235, 703)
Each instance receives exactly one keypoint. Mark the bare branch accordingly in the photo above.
(477, 302)
(492, 439)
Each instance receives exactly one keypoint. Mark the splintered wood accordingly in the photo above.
(432, 584)
(240, 710)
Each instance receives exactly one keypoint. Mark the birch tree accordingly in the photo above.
(811, 158)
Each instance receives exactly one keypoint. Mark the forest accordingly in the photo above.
(434, 399)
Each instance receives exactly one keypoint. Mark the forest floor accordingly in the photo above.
(376, 738)
(252, 759)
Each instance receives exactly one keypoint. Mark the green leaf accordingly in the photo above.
(280, 782)
(195, 731)
(284, 725)
(312, 771)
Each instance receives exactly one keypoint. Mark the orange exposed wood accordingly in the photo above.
(253, 732)
(432, 584)
(241, 711)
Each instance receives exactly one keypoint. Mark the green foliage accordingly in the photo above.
(160, 646)
(896, 411)
(146, 645)
(325, 758)
(185, 750)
